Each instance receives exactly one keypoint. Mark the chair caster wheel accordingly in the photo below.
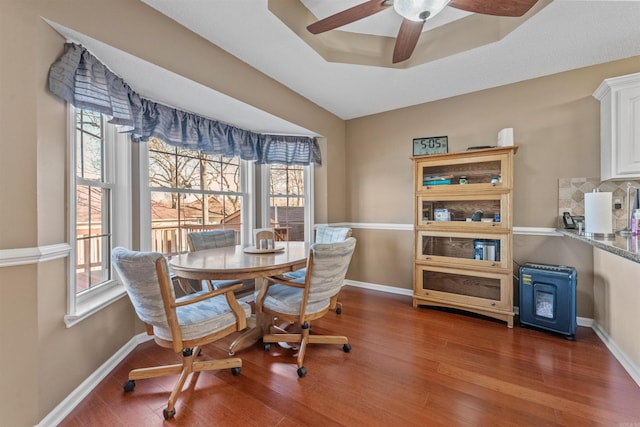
(346, 348)
(235, 371)
(266, 346)
(129, 385)
(302, 371)
(168, 414)
(339, 310)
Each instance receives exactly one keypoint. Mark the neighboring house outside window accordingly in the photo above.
(288, 191)
(100, 220)
(192, 191)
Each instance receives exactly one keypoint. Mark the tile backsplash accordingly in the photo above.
(571, 197)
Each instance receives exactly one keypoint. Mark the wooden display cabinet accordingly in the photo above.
(463, 231)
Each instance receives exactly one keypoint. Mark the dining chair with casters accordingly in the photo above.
(302, 301)
(182, 324)
(326, 234)
(201, 240)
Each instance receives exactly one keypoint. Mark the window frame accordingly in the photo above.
(117, 174)
(246, 191)
(308, 183)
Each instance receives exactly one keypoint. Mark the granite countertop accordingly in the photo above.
(625, 246)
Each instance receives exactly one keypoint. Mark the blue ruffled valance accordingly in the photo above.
(82, 80)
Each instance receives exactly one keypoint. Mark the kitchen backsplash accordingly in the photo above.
(571, 197)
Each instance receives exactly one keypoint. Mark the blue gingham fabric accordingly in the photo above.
(330, 264)
(137, 270)
(323, 235)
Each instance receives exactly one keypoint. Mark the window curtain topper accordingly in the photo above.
(81, 79)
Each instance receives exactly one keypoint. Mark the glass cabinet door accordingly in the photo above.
(466, 212)
(479, 251)
(463, 174)
(463, 287)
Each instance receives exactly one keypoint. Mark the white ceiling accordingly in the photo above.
(565, 35)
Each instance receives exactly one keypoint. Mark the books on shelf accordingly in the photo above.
(437, 182)
(436, 179)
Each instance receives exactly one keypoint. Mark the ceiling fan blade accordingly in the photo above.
(407, 39)
(495, 7)
(348, 16)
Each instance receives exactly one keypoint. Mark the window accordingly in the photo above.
(97, 192)
(192, 191)
(289, 192)
(93, 203)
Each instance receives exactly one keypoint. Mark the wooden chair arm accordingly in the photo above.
(282, 281)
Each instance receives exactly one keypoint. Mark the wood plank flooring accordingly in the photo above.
(409, 367)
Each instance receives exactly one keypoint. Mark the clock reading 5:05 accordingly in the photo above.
(432, 145)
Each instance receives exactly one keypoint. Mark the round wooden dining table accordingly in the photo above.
(241, 262)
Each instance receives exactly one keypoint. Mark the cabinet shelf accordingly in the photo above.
(488, 252)
(460, 208)
(463, 236)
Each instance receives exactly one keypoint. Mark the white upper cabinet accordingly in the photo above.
(619, 127)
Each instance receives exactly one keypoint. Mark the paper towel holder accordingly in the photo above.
(599, 231)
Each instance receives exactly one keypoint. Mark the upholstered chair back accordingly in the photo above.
(199, 240)
(329, 265)
(138, 272)
(332, 234)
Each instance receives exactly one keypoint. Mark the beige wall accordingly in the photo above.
(41, 360)
(617, 299)
(557, 128)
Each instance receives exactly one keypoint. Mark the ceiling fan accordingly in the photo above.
(415, 13)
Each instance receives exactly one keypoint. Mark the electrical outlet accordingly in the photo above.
(617, 204)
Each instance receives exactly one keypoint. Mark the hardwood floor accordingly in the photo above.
(410, 367)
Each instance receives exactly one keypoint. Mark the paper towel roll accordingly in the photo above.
(598, 217)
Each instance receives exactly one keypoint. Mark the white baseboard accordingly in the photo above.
(381, 288)
(65, 407)
(585, 321)
(625, 361)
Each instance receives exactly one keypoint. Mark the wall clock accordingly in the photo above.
(430, 145)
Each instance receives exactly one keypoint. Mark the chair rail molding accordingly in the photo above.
(526, 231)
(372, 225)
(35, 255)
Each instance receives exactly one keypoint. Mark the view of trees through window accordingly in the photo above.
(191, 191)
(286, 201)
(92, 202)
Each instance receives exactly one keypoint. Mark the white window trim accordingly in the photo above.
(79, 307)
(145, 196)
(247, 190)
(307, 176)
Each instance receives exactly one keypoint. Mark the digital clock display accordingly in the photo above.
(431, 145)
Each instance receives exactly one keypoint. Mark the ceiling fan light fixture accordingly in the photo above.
(419, 10)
